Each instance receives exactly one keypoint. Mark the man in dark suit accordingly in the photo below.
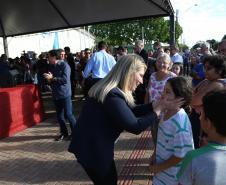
(141, 89)
(139, 49)
(59, 79)
(70, 60)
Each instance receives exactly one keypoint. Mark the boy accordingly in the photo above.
(207, 165)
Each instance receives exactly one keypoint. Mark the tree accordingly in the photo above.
(213, 43)
(183, 47)
(126, 32)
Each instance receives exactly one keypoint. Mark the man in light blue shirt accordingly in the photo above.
(175, 56)
(98, 66)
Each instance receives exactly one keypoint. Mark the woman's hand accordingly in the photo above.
(163, 104)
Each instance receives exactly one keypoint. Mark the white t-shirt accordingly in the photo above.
(205, 166)
(174, 139)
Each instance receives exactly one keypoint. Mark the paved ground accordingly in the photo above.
(33, 157)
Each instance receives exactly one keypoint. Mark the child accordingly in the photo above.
(215, 74)
(207, 165)
(177, 68)
(174, 138)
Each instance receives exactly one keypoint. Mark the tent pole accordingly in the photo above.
(5, 45)
(172, 30)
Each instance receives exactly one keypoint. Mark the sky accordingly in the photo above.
(201, 20)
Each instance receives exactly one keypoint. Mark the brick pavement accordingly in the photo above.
(33, 157)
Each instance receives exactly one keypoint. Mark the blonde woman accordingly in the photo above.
(110, 110)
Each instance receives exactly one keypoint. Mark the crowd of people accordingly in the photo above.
(156, 91)
(180, 96)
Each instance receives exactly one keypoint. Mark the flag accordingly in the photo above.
(56, 41)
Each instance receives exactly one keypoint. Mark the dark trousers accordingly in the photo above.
(89, 82)
(195, 124)
(110, 178)
(64, 106)
(72, 89)
(186, 69)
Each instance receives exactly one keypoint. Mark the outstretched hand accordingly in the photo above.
(163, 104)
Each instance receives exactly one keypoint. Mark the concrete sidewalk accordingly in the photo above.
(33, 157)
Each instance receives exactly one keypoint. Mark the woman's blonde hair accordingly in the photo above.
(119, 77)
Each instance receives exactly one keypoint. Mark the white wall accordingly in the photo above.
(77, 39)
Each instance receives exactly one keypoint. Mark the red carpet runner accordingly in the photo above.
(126, 175)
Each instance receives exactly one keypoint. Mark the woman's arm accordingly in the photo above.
(202, 90)
(122, 116)
(142, 109)
(146, 97)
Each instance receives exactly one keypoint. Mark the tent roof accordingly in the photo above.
(18, 17)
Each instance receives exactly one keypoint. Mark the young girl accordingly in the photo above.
(177, 68)
(174, 137)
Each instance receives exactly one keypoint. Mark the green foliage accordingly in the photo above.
(183, 46)
(213, 43)
(224, 37)
(178, 31)
(197, 45)
(126, 32)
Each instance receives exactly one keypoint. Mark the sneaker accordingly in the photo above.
(62, 138)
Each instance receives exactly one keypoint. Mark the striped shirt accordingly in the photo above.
(174, 139)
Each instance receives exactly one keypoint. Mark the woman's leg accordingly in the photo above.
(98, 179)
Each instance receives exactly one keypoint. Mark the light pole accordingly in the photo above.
(142, 33)
(190, 7)
(176, 24)
(172, 30)
(183, 12)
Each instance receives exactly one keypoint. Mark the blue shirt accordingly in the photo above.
(199, 69)
(177, 58)
(100, 64)
(61, 86)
